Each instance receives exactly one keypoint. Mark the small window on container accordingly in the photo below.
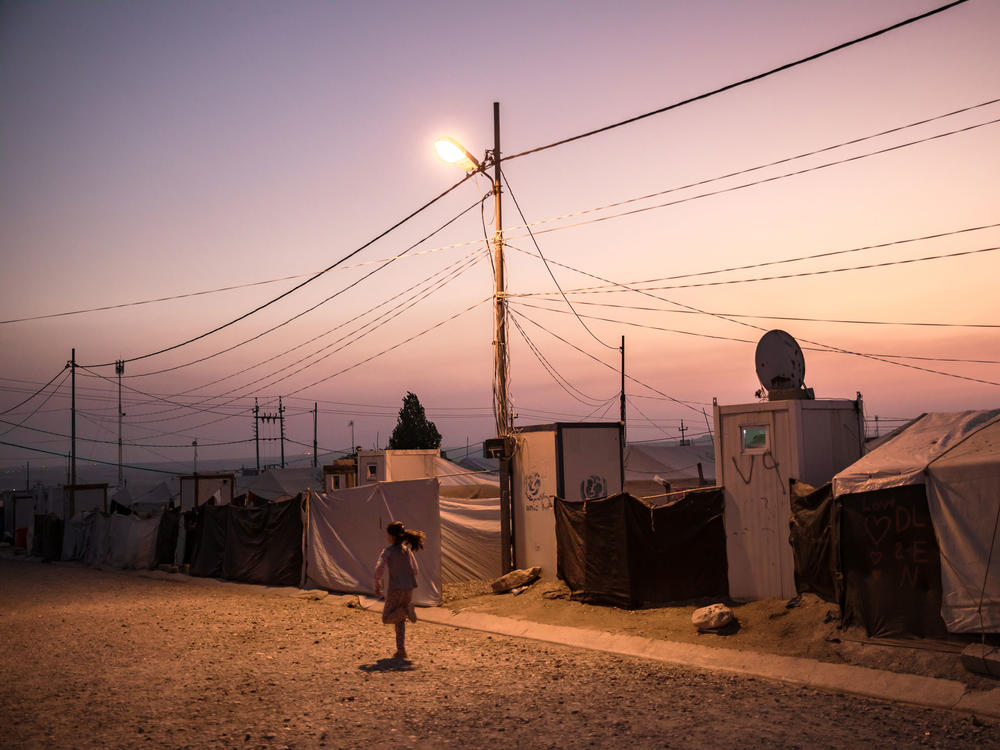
(372, 468)
(754, 438)
(336, 481)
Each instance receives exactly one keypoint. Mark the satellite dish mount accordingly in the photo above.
(781, 368)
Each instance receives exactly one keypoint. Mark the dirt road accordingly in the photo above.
(102, 659)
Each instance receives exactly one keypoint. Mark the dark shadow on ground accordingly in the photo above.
(389, 665)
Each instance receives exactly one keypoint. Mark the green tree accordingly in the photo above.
(413, 429)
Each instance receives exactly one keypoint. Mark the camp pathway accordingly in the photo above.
(90, 658)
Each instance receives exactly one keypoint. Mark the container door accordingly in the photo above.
(756, 451)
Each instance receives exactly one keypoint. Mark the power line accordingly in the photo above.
(752, 183)
(547, 267)
(560, 380)
(814, 256)
(454, 270)
(128, 443)
(249, 284)
(686, 404)
(640, 308)
(354, 336)
(758, 167)
(394, 346)
(45, 401)
(22, 403)
(294, 288)
(451, 272)
(751, 341)
(743, 82)
(318, 304)
(91, 460)
(827, 347)
(865, 267)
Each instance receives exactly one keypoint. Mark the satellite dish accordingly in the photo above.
(779, 361)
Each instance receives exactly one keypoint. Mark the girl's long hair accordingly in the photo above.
(401, 534)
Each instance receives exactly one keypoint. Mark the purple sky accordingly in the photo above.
(153, 149)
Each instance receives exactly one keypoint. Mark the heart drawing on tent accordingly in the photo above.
(877, 527)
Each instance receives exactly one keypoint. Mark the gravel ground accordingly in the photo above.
(104, 659)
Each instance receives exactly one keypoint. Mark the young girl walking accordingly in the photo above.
(398, 559)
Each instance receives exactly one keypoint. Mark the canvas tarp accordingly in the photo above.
(150, 499)
(891, 563)
(901, 461)
(668, 462)
(260, 545)
(76, 534)
(917, 523)
(132, 541)
(282, 484)
(963, 492)
(207, 539)
(628, 552)
(453, 475)
(48, 537)
(815, 543)
(470, 539)
(166, 536)
(345, 532)
(96, 550)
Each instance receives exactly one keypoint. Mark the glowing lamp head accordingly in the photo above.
(454, 152)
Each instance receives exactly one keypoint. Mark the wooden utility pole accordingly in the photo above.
(119, 369)
(281, 422)
(256, 430)
(72, 433)
(501, 360)
(315, 448)
(622, 404)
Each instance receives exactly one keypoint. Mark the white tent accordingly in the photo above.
(453, 475)
(345, 531)
(670, 462)
(282, 484)
(96, 550)
(470, 538)
(132, 541)
(957, 457)
(76, 534)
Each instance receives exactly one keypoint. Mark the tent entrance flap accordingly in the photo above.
(892, 564)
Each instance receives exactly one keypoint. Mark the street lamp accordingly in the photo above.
(454, 152)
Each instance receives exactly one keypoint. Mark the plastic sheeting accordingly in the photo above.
(345, 532)
(282, 484)
(815, 546)
(166, 536)
(901, 461)
(470, 539)
(932, 493)
(132, 541)
(48, 538)
(963, 493)
(76, 534)
(96, 549)
(891, 563)
(628, 552)
(260, 545)
(668, 461)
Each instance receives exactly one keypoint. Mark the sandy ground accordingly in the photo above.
(105, 659)
(809, 629)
